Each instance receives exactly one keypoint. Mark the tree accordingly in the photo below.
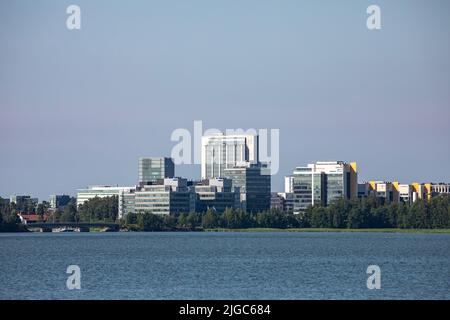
(99, 209)
(192, 220)
(150, 222)
(210, 219)
(169, 222)
(182, 220)
(70, 213)
(131, 218)
(40, 211)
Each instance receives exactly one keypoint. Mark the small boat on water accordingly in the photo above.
(63, 229)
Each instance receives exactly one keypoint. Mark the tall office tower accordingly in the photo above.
(309, 188)
(323, 183)
(152, 169)
(254, 185)
(220, 152)
(342, 179)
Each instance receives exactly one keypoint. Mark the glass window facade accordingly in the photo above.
(155, 168)
(253, 185)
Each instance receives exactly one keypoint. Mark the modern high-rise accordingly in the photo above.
(253, 182)
(324, 182)
(342, 179)
(309, 188)
(152, 169)
(224, 151)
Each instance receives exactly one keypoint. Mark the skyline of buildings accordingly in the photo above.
(232, 176)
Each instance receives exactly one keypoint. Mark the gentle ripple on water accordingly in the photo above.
(224, 265)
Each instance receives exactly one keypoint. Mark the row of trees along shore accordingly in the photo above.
(346, 214)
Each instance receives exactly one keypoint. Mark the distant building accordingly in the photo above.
(405, 193)
(122, 194)
(128, 202)
(24, 204)
(341, 179)
(152, 169)
(288, 201)
(396, 192)
(276, 201)
(440, 188)
(289, 184)
(253, 182)
(220, 152)
(282, 201)
(215, 194)
(309, 188)
(324, 182)
(57, 201)
(168, 196)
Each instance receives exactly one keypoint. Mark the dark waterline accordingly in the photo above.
(225, 265)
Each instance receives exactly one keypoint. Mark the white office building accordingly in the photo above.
(123, 194)
(220, 152)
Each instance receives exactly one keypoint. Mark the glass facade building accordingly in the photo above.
(324, 182)
(152, 169)
(309, 188)
(215, 194)
(220, 152)
(171, 197)
(253, 184)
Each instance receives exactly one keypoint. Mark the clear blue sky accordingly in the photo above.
(80, 107)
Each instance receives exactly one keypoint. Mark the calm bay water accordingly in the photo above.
(224, 265)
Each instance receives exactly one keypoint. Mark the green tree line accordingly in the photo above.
(352, 214)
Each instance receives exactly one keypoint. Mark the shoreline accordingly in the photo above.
(325, 230)
(275, 230)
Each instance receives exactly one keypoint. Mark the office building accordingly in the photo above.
(323, 182)
(405, 193)
(167, 196)
(91, 192)
(215, 194)
(220, 152)
(309, 188)
(24, 204)
(289, 184)
(341, 179)
(276, 201)
(282, 201)
(59, 201)
(440, 189)
(152, 169)
(253, 182)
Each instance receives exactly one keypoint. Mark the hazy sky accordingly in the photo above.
(79, 107)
